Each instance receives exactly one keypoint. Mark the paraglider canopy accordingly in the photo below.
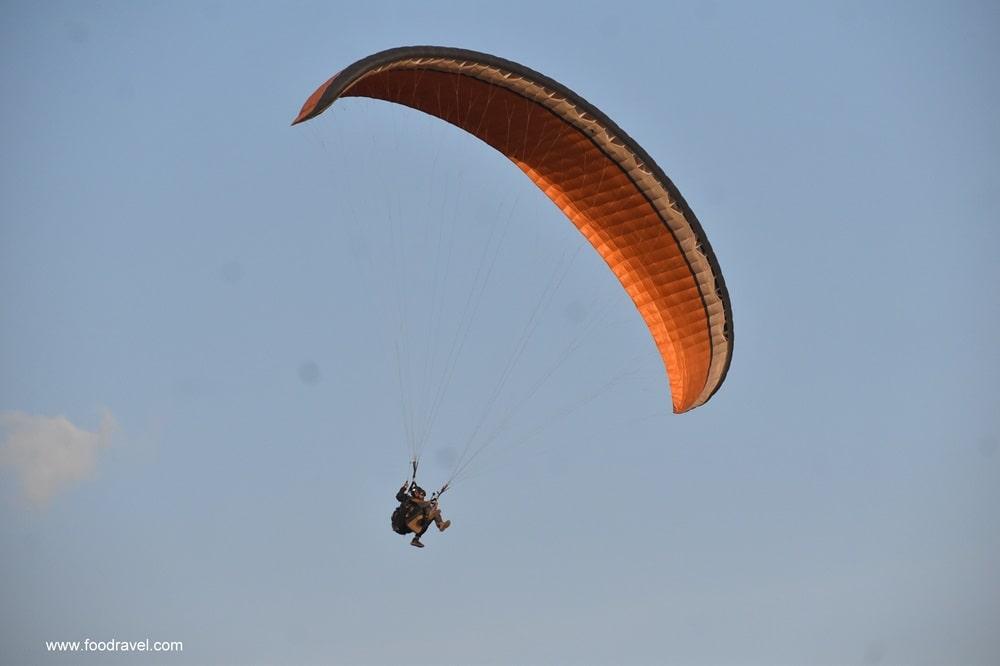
(603, 181)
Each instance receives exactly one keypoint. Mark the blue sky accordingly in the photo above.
(201, 395)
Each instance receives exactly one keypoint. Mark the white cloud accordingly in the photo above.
(49, 453)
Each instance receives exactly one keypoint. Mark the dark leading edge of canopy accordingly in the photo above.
(346, 77)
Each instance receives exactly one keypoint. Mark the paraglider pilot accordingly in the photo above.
(415, 513)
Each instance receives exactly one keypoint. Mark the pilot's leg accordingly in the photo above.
(441, 523)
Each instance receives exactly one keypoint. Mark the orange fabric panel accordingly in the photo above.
(594, 193)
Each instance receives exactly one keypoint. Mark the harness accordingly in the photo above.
(405, 512)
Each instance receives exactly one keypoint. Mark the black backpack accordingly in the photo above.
(399, 517)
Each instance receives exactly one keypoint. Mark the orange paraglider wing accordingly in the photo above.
(604, 182)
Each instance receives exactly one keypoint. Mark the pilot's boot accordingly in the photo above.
(416, 542)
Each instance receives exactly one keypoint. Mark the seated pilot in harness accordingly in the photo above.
(415, 513)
